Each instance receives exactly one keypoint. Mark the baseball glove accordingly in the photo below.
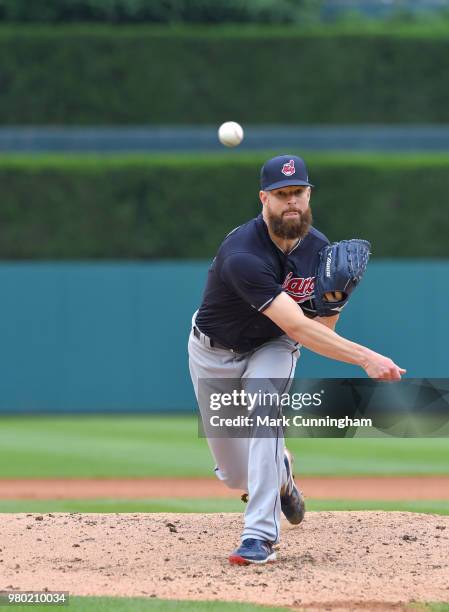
(340, 268)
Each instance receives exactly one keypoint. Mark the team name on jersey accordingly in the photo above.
(300, 289)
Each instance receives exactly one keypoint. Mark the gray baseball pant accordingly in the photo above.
(255, 465)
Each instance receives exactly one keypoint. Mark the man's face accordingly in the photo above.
(288, 212)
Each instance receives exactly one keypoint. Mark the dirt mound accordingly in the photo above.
(334, 560)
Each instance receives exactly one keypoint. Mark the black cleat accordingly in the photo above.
(292, 499)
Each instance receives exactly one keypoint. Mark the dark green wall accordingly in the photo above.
(90, 75)
(152, 207)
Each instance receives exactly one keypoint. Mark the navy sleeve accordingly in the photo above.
(251, 278)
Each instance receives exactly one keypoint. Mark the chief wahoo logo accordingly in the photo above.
(289, 168)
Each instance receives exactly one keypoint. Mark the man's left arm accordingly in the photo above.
(329, 322)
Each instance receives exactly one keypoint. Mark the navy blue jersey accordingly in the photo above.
(249, 271)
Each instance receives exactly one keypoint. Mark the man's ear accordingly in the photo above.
(263, 196)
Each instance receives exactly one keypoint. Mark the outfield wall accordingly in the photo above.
(87, 337)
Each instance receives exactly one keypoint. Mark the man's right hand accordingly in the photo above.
(319, 338)
(381, 368)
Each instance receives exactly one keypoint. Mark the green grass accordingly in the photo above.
(138, 604)
(204, 505)
(425, 26)
(426, 506)
(138, 446)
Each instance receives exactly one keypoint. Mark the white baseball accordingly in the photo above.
(230, 134)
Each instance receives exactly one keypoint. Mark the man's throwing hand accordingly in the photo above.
(382, 368)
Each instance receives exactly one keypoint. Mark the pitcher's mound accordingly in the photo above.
(333, 561)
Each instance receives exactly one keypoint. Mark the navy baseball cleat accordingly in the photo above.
(292, 500)
(253, 551)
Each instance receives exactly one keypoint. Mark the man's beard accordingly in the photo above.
(291, 227)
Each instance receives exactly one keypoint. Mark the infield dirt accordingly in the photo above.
(317, 487)
(333, 561)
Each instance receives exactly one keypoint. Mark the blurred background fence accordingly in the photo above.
(115, 194)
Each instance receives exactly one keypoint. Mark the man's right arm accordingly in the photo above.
(285, 312)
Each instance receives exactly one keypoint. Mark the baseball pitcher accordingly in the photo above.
(275, 285)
